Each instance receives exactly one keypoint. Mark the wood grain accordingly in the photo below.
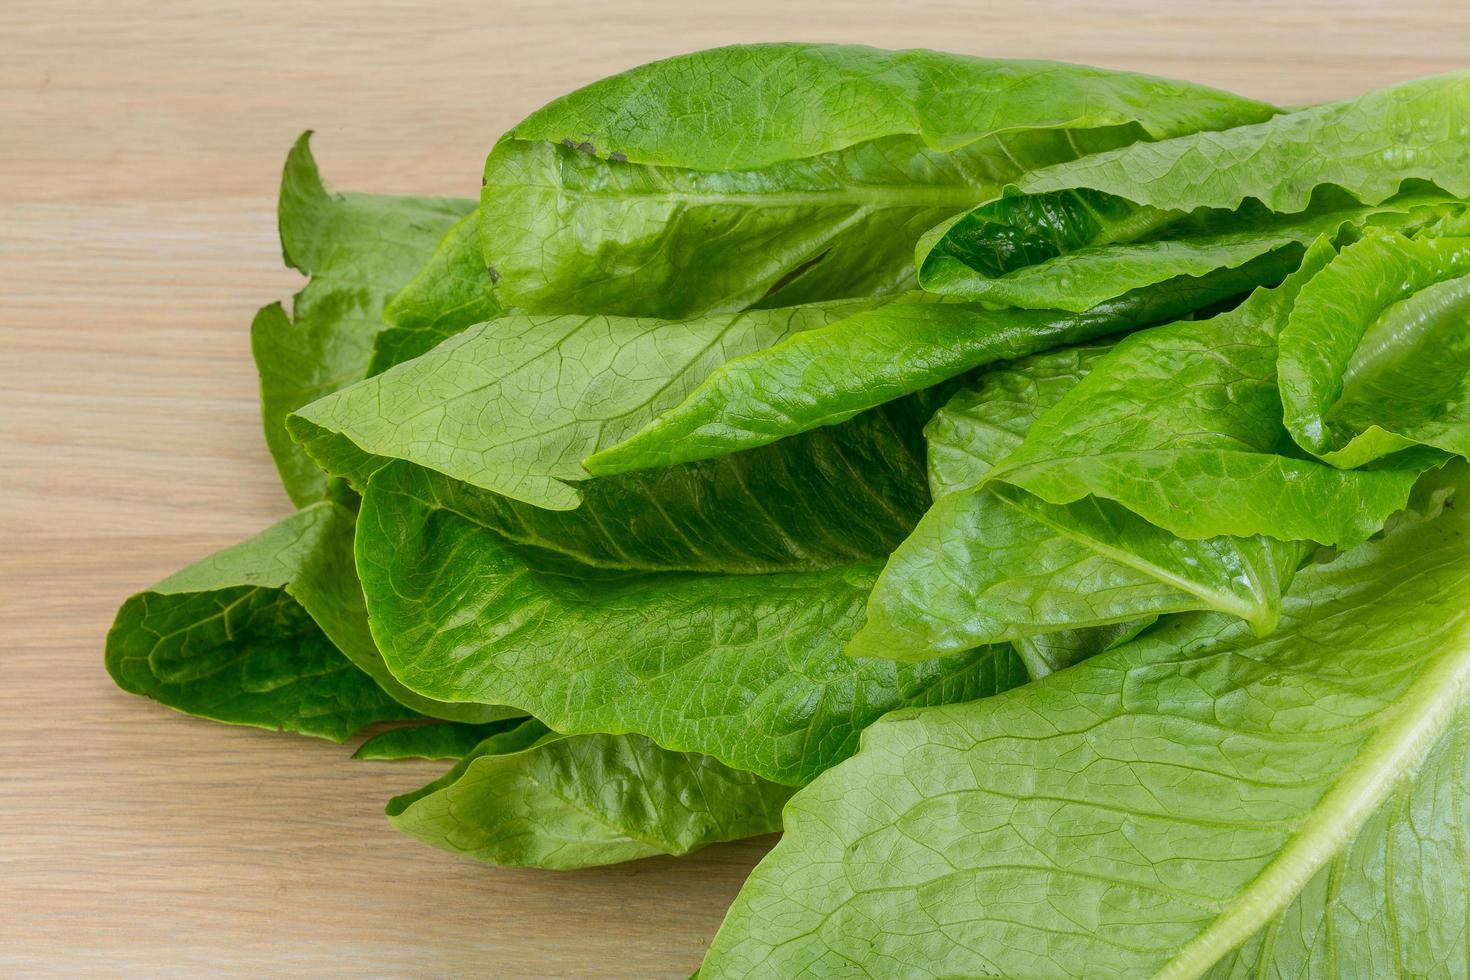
(139, 149)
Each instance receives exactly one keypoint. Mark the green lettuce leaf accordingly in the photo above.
(1081, 231)
(986, 421)
(780, 174)
(227, 639)
(978, 427)
(1371, 146)
(271, 633)
(825, 375)
(533, 798)
(746, 668)
(358, 250)
(1191, 412)
(1375, 353)
(1200, 798)
(1059, 251)
(834, 496)
(1001, 565)
(990, 564)
(515, 404)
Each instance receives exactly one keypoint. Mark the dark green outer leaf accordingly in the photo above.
(789, 173)
(834, 496)
(563, 802)
(271, 633)
(226, 639)
(661, 113)
(746, 668)
(328, 589)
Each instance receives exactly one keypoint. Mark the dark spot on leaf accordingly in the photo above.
(617, 157)
(483, 181)
(569, 143)
(794, 274)
(587, 148)
(494, 275)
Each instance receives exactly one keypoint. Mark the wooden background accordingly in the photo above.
(140, 145)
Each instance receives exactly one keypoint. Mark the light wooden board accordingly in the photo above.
(140, 146)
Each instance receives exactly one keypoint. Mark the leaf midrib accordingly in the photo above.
(1419, 719)
(1224, 602)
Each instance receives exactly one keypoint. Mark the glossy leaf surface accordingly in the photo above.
(532, 798)
(746, 668)
(1200, 798)
(789, 173)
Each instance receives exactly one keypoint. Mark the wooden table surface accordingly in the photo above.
(140, 145)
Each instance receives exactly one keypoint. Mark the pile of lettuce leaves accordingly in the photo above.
(1035, 490)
